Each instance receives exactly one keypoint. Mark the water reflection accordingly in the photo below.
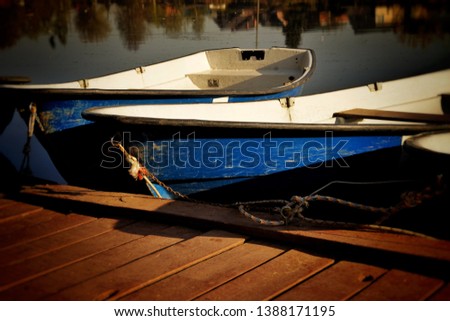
(356, 42)
(92, 21)
(416, 23)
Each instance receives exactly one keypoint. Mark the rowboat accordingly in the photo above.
(267, 144)
(429, 151)
(231, 75)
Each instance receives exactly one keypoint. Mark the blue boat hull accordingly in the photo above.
(223, 164)
(193, 162)
(201, 161)
(62, 111)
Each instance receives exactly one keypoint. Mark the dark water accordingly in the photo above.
(356, 42)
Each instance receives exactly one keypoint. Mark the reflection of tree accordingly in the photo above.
(237, 16)
(34, 18)
(422, 25)
(173, 17)
(198, 20)
(422, 22)
(295, 18)
(131, 22)
(9, 21)
(92, 22)
(47, 17)
(416, 23)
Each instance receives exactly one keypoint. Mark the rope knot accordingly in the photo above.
(137, 171)
(293, 209)
(286, 213)
(412, 199)
(301, 201)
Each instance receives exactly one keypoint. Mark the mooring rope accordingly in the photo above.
(290, 211)
(33, 119)
(294, 209)
(140, 172)
(137, 171)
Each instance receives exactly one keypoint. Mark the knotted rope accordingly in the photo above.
(137, 171)
(292, 211)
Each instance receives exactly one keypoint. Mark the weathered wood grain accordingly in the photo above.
(5, 202)
(38, 265)
(270, 279)
(38, 225)
(48, 243)
(28, 222)
(158, 237)
(399, 285)
(338, 282)
(443, 294)
(16, 210)
(207, 275)
(231, 219)
(49, 255)
(152, 268)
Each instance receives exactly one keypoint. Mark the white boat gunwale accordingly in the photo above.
(65, 89)
(369, 129)
(304, 113)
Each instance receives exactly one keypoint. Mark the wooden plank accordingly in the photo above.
(158, 238)
(270, 279)
(393, 115)
(5, 202)
(443, 294)
(50, 261)
(151, 268)
(229, 218)
(39, 225)
(45, 244)
(17, 210)
(400, 285)
(346, 278)
(205, 276)
(27, 222)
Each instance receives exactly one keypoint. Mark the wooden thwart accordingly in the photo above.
(393, 115)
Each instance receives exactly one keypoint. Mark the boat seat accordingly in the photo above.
(240, 79)
(361, 113)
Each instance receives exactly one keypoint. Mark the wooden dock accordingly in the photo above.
(68, 243)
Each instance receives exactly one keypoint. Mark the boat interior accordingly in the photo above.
(251, 70)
